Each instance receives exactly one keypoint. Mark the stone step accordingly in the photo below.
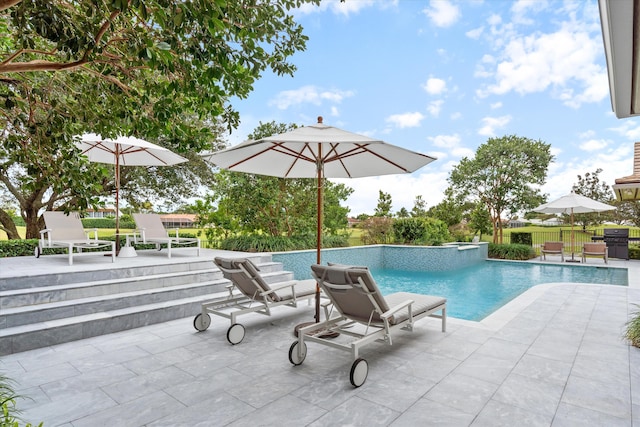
(73, 291)
(43, 334)
(78, 307)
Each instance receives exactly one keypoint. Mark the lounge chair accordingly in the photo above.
(66, 231)
(596, 250)
(151, 230)
(555, 248)
(364, 315)
(249, 292)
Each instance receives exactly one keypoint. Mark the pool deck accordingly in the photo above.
(552, 357)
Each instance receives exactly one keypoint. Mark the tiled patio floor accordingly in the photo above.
(554, 356)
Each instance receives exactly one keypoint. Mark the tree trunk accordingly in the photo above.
(8, 226)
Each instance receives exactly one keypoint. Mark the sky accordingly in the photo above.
(442, 77)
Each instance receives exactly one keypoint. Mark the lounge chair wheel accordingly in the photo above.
(37, 252)
(201, 322)
(294, 357)
(235, 334)
(359, 372)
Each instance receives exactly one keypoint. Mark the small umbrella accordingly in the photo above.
(319, 151)
(125, 151)
(570, 204)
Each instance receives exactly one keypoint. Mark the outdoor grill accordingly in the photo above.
(617, 240)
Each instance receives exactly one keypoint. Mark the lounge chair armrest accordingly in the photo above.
(94, 231)
(393, 310)
(45, 235)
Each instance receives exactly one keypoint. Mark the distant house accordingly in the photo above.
(178, 220)
(106, 212)
(352, 222)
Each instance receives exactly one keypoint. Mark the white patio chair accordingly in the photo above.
(151, 230)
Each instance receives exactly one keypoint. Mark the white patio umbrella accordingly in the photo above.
(570, 204)
(125, 151)
(319, 151)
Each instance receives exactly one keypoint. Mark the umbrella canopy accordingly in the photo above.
(125, 151)
(572, 204)
(319, 151)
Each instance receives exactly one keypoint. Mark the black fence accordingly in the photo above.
(580, 236)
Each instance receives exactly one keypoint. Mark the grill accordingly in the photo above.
(617, 240)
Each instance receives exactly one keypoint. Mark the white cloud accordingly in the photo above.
(434, 86)
(565, 62)
(406, 120)
(445, 141)
(336, 7)
(434, 107)
(490, 124)
(442, 13)
(522, 7)
(308, 95)
(629, 129)
(475, 33)
(593, 145)
(455, 116)
(495, 105)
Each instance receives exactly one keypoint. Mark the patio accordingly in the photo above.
(554, 356)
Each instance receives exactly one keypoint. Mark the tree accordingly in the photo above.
(591, 187)
(419, 207)
(450, 210)
(502, 176)
(163, 71)
(480, 221)
(403, 213)
(383, 208)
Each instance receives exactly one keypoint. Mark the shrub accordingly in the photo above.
(263, 243)
(8, 404)
(436, 232)
(511, 251)
(409, 230)
(377, 230)
(522, 238)
(632, 332)
(634, 252)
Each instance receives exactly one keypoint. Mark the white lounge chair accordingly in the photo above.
(250, 293)
(66, 231)
(364, 315)
(151, 230)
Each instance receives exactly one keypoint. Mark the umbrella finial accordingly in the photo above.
(319, 119)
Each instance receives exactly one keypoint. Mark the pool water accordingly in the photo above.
(475, 292)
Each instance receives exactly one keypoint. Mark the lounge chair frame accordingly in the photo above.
(241, 299)
(150, 230)
(343, 324)
(598, 249)
(66, 231)
(555, 248)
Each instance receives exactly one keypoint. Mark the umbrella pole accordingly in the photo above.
(117, 198)
(319, 228)
(572, 241)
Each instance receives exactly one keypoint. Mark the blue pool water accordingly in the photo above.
(475, 292)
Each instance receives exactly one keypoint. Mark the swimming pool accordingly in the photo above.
(476, 291)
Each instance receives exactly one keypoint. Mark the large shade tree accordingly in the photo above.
(161, 70)
(504, 175)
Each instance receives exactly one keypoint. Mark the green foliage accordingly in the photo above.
(436, 232)
(634, 252)
(125, 223)
(504, 176)
(9, 417)
(511, 251)
(450, 209)
(263, 243)
(419, 207)
(377, 230)
(522, 238)
(161, 70)
(383, 209)
(409, 230)
(632, 331)
(480, 220)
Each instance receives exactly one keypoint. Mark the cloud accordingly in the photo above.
(442, 13)
(338, 7)
(629, 129)
(495, 105)
(475, 33)
(445, 141)
(435, 86)
(308, 95)
(489, 125)
(434, 107)
(566, 62)
(406, 120)
(593, 144)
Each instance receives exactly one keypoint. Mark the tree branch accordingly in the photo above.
(6, 4)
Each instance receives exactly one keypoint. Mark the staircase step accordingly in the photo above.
(19, 316)
(72, 291)
(42, 334)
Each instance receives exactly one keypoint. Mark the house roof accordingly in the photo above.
(620, 21)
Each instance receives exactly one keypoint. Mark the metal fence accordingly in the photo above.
(564, 235)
